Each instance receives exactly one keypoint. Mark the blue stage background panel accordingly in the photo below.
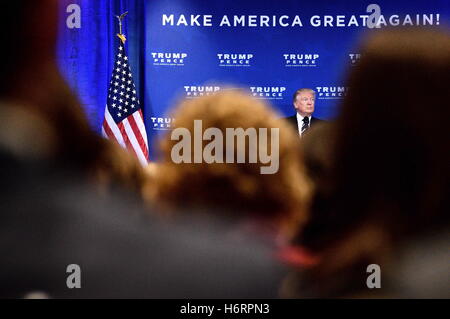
(272, 49)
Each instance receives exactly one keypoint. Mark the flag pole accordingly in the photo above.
(120, 34)
(124, 120)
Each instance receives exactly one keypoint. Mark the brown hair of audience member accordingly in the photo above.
(31, 80)
(390, 177)
(230, 187)
(116, 167)
(317, 146)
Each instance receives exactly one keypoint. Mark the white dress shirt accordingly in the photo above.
(300, 122)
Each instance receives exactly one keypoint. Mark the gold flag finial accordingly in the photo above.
(120, 34)
(122, 37)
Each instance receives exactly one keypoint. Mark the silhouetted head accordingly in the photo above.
(391, 152)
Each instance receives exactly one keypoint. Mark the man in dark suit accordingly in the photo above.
(304, 102)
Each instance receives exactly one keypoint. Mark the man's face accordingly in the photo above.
(304, 103)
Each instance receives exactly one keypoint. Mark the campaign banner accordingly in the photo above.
(191, 48)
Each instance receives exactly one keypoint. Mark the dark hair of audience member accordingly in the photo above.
(388, 182)
(389, 178)
(31, 80)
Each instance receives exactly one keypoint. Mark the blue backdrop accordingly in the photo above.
(188, 48)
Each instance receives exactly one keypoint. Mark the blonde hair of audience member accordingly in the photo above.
(237, 189)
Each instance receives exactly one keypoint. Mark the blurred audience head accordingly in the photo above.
(31, 84)
(389, 177)
(237, 188)
(316, 149)
(31, 80)
(51, 219)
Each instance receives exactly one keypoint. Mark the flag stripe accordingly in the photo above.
(133, 141)
(138, 134)
(139, 118)
(103, 131)
(111, 126)
(105, 128)
(125, 137)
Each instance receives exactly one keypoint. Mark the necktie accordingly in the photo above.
(305, 125)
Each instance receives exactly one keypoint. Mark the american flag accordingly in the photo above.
(123, 114)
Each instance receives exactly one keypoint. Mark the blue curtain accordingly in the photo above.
(86, 54)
